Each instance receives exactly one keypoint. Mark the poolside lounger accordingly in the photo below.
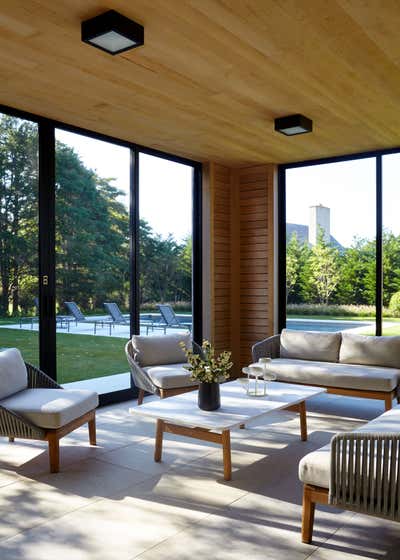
(171, 319)
(80, 317)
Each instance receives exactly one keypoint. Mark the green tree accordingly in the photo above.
(325, 268)
(292, 264)
(19, 209)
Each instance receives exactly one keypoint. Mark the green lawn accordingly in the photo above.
(79, 356)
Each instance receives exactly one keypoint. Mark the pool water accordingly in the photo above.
(324, 326)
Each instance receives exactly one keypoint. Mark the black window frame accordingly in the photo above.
(46, 246)
(282, 168)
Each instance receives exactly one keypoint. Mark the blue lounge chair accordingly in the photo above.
(79, 317)
(171, 319)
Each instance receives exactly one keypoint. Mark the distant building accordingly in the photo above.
(320, 220)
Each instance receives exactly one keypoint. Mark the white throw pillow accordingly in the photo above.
(13, 374)
(157, 350)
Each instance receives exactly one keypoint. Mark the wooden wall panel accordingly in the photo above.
(220, 245)
(256, 279)
(241, 256)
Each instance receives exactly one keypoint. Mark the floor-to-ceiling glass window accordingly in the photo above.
(391, 244)
(92, 261)
(165, 245)
(19, 231)
(331, 246)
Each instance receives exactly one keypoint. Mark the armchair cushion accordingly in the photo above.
(51, 408)
(308, 345)
(370, 350)
(170, 376)
(13, 374)
(160, 350)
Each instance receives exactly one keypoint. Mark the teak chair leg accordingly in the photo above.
(308, 516)
(140, 397)
(92, 431)
(54, 452)
(388, 401)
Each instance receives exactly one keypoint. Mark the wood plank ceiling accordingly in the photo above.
(213, 74)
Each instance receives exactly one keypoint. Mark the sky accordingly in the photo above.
(165, 200)
(348, 189)
(165, 187)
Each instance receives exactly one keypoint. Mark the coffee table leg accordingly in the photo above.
(159, 441)
(226, 453)
(303, 421)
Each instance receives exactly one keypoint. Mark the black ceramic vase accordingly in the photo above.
(209, 397)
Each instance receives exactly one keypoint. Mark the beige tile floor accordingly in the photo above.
(113, 502)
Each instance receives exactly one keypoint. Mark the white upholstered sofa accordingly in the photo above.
(359, 471)
(345, 363)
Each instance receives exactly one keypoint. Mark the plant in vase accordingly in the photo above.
(209, 370)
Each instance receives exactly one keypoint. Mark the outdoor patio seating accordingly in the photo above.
(80, 317)
(347, 364)
(146, 322)
(358, 471)
(171, 319)
(157, 362)
(33, 406)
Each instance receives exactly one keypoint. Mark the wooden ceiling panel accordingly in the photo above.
(213, 74)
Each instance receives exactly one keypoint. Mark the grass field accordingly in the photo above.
(78, 356)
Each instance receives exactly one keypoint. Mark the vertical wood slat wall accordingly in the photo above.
(241, 258)
(256, 256)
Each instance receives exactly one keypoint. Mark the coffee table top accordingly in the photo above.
(236, 406)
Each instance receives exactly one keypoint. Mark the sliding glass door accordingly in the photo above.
(391, 244)
(108, 227)
(19, 236)
(331, 246)
(92, 261)
(165, 245)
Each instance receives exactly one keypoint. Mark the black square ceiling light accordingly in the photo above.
(112, 32)
(293, 124)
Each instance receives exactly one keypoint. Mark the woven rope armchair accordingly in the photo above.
(357, 471)
(142, 377)
(16, 425)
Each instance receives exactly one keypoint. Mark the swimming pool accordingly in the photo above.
(326, 325)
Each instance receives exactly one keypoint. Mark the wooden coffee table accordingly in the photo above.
(181, 414)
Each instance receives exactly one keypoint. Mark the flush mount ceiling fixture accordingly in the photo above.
(293, 124)
(112, 32)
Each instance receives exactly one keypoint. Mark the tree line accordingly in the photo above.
(92, 234)
(325, 274)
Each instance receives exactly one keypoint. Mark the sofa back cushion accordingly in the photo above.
(370, 350)
(309, 345)
(13, 374)
(158, 350)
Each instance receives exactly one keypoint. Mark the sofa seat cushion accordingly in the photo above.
(346, 376)
(164, 349)
(309, 345)
(170, 376)
(51, 408)
(315, 468)
(13, 374)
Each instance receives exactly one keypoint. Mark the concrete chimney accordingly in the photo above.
(320, 220)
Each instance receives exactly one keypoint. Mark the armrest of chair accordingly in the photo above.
(140, 377)
(37, 379)
(14, 425)
(269, 347)
(365, 473)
